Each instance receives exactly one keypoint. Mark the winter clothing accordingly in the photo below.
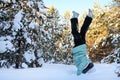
(79, 51)
(90, 65)
(75, 14)
(85, 27)
(79, 38)
(90, 14)
(80, 59)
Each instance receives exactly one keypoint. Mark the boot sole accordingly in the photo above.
(91, 65)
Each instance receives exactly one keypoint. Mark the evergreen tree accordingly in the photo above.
(104, 31)
(21, 29)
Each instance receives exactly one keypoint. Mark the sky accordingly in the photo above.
(79, 6)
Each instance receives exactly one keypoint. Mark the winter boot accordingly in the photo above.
(90, 14)
(74, 22)
(89, 66)
(80, 59)
(75, 14)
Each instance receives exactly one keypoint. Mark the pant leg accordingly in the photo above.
(74, 30)
(85, 27)
(74, 27)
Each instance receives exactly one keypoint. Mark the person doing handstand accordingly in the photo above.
(79, 51)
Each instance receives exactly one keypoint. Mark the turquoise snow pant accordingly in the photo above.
(80, 58)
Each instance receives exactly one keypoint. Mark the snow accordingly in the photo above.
(5, 1)
(47, 71)
(116, 37)
(6, 44)
(17, 21)
(27, 38)
(59, 72)
(33, 24)
(29, 55)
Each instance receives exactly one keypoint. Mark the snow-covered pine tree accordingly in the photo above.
(114, 30)
(20, 23)
(56, 38)
(105, 34)
(51, 35)
(113, 38)
(30, 36)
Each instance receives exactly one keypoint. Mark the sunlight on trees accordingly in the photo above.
(96, 5)
(51, 9)
(104, 26)
(67, 15)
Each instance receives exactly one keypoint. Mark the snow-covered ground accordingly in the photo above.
(60, 72)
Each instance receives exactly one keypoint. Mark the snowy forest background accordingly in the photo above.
(32, 34)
